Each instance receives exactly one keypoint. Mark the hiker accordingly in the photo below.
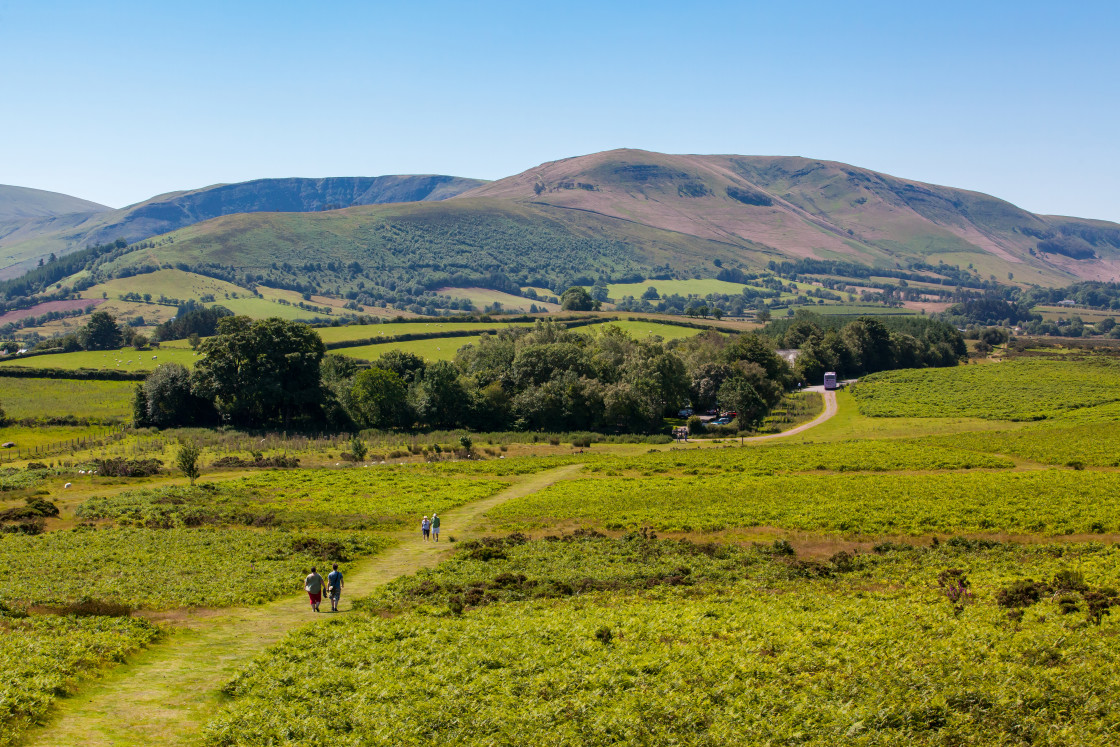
(314, 586)
(435, 527)
(425, 527)
(334, 587)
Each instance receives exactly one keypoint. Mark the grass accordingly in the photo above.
(42, 399)
(638, 330)
(125, 359)
(29, 437)
(369, 331)
(435, 349)
(693, 287)
(169, 283)
(484, 297)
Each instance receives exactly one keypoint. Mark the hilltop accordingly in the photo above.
(23, 203)
(37, 234)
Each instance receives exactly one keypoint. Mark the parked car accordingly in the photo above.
(685, 413)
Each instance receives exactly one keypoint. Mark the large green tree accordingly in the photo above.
(101, 332)
(577, 298)
(261, 373)
(380, 399)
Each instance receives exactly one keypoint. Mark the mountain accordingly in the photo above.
(23, 203)
(629, 215)
(796, 207)
(38, 235)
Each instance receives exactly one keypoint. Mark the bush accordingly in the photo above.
(120, 467)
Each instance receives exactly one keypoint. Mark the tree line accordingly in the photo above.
(272, 372)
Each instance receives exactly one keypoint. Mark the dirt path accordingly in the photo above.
(164, 695)
(830, 409)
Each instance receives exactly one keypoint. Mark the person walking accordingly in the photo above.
(334, 587)
(435, 527)
(314, 586)
(425, 527)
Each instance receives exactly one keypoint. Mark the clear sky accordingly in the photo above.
(118, 101)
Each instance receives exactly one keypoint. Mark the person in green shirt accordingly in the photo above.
(435, 527)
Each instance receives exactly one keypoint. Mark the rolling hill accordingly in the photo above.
(23, 203)
(627, 216)
(35, 235)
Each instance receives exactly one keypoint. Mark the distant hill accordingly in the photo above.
(35, 236)
(803, 208)
(23, 203)
(630, 216)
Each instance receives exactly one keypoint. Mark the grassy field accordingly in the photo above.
(370, 331)
(693, 287)
(595, 641)
(1022, 389)
(484, 297)
(125, 359)
(435, 349)
(169, 283)
(42, 399)
(1089, 316)
(638, 330)
(822, 589)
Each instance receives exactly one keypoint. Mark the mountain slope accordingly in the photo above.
(625, 216)
(25, 244)
(24, 203)
(804, 208)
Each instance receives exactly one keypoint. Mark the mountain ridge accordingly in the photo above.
(22, 243)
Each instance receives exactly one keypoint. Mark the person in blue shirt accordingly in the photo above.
(334, 587)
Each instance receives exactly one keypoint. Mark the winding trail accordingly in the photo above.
(165, 694)
(830, 409)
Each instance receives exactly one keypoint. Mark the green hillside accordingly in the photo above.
(36, 233)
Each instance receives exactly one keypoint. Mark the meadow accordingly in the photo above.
(166, 568)
(125, 359)
(44, 399)
(381, 498)
(1049, 502)
(431, 349)
(663, 643)
(371, 331)
(47, 656)
(935, 565)
(1019, 389)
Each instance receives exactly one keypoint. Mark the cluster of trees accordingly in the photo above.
(274, 372)
(101, 332)
(1094, 295)
(277, 373)
(552, 378)
(866, 345)
(192, 318)
(252, 374)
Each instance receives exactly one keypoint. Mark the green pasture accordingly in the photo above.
(125, 359)
(692, 287)
(483, 297)
(170, 283)
(41, 399)
(639, 330)
(434, 349)
(393, 329)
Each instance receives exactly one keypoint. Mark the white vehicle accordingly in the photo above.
(830, 380)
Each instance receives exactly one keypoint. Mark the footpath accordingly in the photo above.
(165, 694)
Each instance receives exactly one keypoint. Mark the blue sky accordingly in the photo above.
(118, 101)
